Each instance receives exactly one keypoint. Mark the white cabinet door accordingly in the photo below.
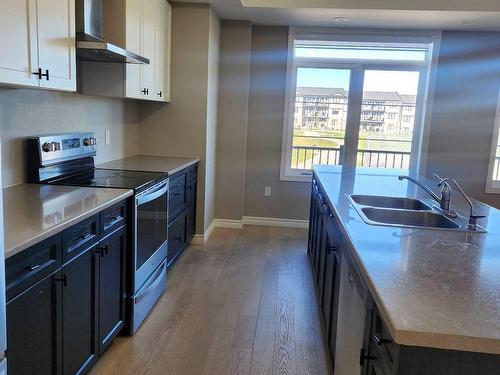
(162, 63)
(168, 55)
(18, 43)
(148, 21)
(133, 44)
(56, 43)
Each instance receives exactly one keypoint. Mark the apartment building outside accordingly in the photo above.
(381, 112)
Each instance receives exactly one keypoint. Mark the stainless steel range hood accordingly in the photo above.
(89, 33)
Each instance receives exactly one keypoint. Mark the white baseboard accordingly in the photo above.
(201, 239)
(275, 222)
(227, 223)
(198, 239)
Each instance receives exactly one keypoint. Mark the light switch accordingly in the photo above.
(267, 191)
(106, 137)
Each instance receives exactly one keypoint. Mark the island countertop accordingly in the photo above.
(434, 288)
(151, 163)
(34, 212)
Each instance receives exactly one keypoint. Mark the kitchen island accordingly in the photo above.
(430, 298)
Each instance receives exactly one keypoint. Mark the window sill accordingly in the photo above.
(493, 189)
(296, 178)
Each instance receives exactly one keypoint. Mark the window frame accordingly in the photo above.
(423, 108)
(493, 186)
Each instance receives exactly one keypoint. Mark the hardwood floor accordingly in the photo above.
(241, 304)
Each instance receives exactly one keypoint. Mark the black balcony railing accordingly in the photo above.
(304, 157)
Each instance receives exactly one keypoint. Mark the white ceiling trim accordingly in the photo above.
(358, 18)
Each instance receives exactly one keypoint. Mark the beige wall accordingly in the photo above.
(212, 110)
(289, 200)
(180, 127)
(463, 117)
(464, 108)
(235, 44)
(25, 112)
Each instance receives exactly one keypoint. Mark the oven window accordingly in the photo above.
(151, 228)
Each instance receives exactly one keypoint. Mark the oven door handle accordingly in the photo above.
(150, 196)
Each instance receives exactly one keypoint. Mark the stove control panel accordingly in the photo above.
(53, 149)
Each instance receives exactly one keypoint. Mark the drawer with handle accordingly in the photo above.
(113, 217)
(80, 237)
(177, 199)
(25, 269)
(176, 237)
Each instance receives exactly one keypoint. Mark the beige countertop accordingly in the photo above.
(151, 163)
(434, 288)
(34, 212)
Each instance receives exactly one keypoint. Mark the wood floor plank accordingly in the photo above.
(241, 304)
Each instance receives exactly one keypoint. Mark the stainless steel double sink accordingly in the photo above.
(402, 212)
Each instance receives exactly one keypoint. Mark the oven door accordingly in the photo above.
(151, 231)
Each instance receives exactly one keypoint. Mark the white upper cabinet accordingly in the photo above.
(38, 44)
(149, 10)
(133, 43)
(18, 43)
(148, 34)
(56, 43)
(144, 28)
(163, 41)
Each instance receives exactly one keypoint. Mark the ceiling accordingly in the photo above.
(420, 14)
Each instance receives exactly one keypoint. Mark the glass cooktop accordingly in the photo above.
(111, 178)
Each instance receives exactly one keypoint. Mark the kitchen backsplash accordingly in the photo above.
(26, 112)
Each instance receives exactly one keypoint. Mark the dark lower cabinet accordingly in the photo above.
(59, 324)
(112, 291)
(176, 238)
(192, 188)
(34, 329)
(182, 211)
(79, 310)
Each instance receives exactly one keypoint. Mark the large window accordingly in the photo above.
(355, 100)
(493, 181)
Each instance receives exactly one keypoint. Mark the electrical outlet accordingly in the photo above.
(106, 137)
(267, 191)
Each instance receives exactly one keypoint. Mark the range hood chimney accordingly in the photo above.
(89, 37)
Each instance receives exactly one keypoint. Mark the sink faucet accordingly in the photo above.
(472, 218)
(444, 200)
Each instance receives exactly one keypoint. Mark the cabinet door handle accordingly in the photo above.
(39, 73)
(178, 239)
(46, 75)
(160, 94)
(32, 268)
(145, 91)
(189, 187)
(113, 221)
(63, 279)
(332, 248)
(102, 250)
(379, 340)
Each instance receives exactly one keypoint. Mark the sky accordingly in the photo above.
(388, 81)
